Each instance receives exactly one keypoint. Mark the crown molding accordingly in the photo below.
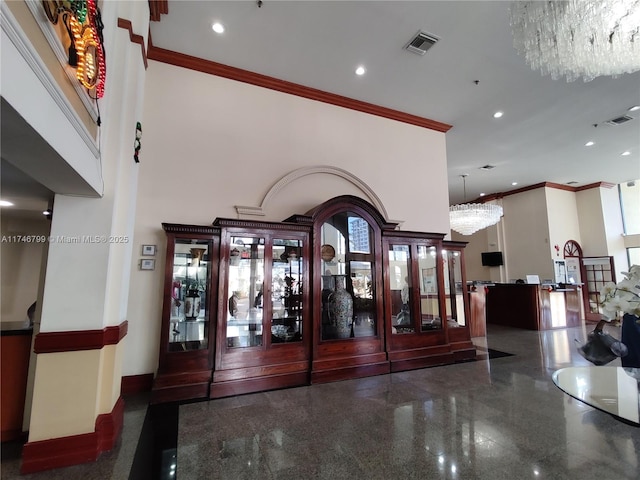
(212, 68)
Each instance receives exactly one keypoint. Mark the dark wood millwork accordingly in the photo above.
(316, 298)
(429, 325)
(458, 309)
(358, 258)
(533, 307)
(264, 324)
(186, 356)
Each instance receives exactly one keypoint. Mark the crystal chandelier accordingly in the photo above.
(578, 38)
(468, 218)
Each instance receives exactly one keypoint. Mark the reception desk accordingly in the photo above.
(533, 307)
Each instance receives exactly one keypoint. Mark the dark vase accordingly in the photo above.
(192, 305)
(341, 308)
(631, 339)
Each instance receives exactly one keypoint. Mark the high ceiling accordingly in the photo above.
(470, 73)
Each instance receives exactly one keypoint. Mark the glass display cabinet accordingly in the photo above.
(332, 294)
(348, 307)
(263, 337)
(457, 300)
(186, 345)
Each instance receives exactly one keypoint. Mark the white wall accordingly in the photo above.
(211, 143)
(562, 212)
(526, 235)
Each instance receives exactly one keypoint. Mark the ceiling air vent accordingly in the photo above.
(421, 43)
(487, 167)
(619, 120)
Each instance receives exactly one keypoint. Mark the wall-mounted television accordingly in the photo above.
(492, 259)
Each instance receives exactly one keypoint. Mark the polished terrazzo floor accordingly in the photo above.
(500, 418)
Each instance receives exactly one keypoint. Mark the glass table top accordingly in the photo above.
(611, 389)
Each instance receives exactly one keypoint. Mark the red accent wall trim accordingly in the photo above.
(136, 384)
(65, 451)
(135, 38)
(72, 341)
(233, 73)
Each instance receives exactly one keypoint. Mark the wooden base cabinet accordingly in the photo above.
(333, 294)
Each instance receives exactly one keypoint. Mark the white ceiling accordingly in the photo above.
(540, 138)
(318, 44)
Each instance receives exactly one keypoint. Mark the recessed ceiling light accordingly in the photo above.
(589, 143)
(634, 108)
(482, 194)
(626, 153)
(498, 114)
(217, 27)
(360, 70)
(514, 183)
(5, 203)
(46, 212)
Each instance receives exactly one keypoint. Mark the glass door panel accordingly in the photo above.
(364, 307)
(189, 310)
(332, 265)
(286, 291)
(246, 288)
(400, 284)
(453, 289)
(348, 293)
(429, 306)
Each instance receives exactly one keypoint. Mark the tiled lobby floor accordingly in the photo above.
(491, 419)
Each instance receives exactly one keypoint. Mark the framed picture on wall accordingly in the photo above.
(148, 250)
(147, 264)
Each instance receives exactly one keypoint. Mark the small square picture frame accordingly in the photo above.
(149, 250)
(147, 264)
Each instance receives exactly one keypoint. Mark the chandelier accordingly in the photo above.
(468, 218)
(578, 38)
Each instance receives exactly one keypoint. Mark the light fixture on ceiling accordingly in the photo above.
(468, 218)
(634, 108)
(360, 70)
(5, 203)
(590, 143)
(217, 27)
(626, 153)
(498, 114)
(578, 38)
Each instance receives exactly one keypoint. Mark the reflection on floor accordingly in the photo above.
(492, 419)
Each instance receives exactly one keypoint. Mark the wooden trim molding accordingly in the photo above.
(157, 8)
(135, 38)
(132, 384)
(557, 186)
(596, 185)
(259, 80)
(73, 341)
(74, 449)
